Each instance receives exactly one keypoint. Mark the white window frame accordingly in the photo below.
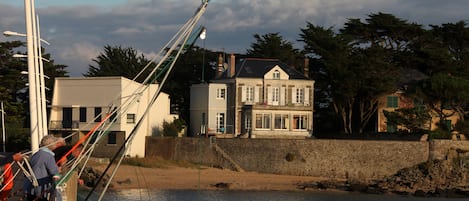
(276, 75)
(250, 94)
(264, 121)
(283, 124)
(220, 122)
(275, 95)
(221, 93)
(300, 95)
(130, 118)
(300, 122)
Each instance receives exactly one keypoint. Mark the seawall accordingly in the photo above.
(341, 159)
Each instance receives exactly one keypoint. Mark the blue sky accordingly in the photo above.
(79, 29)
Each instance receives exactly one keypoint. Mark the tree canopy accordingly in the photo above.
(14, 92)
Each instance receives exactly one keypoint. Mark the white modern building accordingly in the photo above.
(79, 104)
(255, 98)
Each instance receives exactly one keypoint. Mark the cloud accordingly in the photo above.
(78, 32)
(79, 53)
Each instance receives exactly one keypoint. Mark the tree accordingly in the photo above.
(14, 93)
(443, 54)
(189, 69)
(334, 77)
(360, 64)
(118, 61)
(416, 119)
(273, 46)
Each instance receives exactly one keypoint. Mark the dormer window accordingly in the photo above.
(276, 75)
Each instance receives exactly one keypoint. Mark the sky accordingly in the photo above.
(78, 30)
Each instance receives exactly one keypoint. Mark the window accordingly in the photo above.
(130, 118)
(113, 115)
(447, 123)
(249, 94)
(97, 114)
(263, 121)
(247, 122)
(112, 138)
(392, 101)
(221, 93)
(82, 114)
(275, 95)
(300, 122)
(276, 75)
(300, 95)
(221, 122)
(391, 127)
(281, 121)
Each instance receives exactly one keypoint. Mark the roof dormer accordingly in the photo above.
(276, 73)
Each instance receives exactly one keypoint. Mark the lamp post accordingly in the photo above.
(33, 109)
(202, 36)
(35, 74)
(3, 127)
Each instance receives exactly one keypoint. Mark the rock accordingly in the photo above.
(127, 181)
(222, 185)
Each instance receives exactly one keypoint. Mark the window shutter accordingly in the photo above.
(282, 95)
(269, 95)
(293, 95)
(256, 94)
(306, 103)
(243, 93)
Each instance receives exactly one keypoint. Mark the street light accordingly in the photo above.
(26, 72)
(13, 33)
(3, 127)
(25, 56)
(202, 36)
(35, 74)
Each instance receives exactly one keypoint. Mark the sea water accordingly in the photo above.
(227, 195)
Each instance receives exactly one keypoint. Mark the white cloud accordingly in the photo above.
(78, 33)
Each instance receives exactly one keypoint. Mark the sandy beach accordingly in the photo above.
(128, 177)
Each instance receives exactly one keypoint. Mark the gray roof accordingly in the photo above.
(257, 68)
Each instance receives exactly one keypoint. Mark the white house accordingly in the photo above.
(256, 98)
(79, 104)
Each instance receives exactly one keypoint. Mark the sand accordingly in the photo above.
(131, 177)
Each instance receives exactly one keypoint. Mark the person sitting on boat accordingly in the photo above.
(45, 171)
(6, 182)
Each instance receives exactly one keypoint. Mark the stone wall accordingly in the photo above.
(358, 159)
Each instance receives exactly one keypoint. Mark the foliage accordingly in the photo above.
(358, 65)
(273, 46)
(188, 71)
(119, 61)
(462, 127)
(14, 92)
(416, 119)
(440, 134)
(172, 129)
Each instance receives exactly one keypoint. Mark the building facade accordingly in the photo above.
(399, 100)
(79, 104)
(255, 98)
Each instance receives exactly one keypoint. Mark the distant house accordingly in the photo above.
(256, 98)
(79, 104)
(398, 100)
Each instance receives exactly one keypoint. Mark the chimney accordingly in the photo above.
(220, 68)
(306, 67)
(232, 65)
